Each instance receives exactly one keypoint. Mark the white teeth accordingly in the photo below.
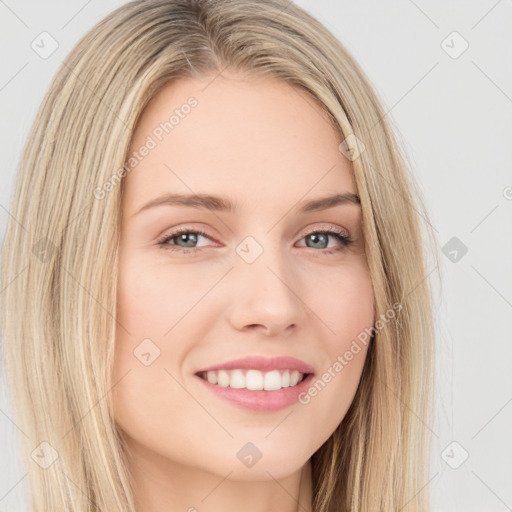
(237, 379)
(273, 380)
(294, 378)
(211, 377)
(223, 378)
(254, 379)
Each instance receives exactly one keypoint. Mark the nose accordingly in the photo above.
(266, 296)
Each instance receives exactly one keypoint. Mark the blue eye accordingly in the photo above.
(182, 235)
(316, 236)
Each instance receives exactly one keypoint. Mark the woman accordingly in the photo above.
(250, 367)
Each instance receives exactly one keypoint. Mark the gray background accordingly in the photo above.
(452, 113)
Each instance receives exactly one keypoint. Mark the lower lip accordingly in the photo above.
(260, 400)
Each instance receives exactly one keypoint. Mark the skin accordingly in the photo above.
(268, 147)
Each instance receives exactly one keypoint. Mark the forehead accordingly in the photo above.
(253, 139)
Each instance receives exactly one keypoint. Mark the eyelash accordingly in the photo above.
(336, 233)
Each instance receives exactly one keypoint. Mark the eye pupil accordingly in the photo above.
(314, 236)
(183, 237)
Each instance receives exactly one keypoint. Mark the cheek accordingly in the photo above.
(156, 305)
(151, 299)
(345, 305)
(346, 310)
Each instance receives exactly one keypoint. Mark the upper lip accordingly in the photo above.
(263, 364)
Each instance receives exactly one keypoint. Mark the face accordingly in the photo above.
(201, 284)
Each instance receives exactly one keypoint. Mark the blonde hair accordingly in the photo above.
(59, 260)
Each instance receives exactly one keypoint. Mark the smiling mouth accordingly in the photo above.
(256, 380)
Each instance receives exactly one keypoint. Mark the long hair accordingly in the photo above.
(59, 260)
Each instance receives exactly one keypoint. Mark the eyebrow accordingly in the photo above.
(224, 204)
